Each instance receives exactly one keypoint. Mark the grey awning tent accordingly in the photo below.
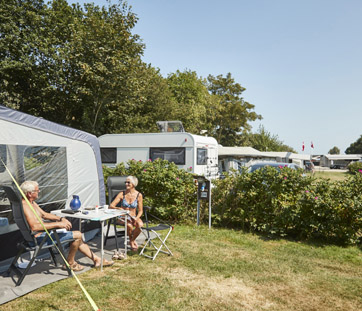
(63, 160)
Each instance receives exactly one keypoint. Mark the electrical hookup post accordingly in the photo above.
(203, 193)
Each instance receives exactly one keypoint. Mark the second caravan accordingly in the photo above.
(195, 153)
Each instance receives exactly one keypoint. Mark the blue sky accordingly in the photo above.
(300, 61)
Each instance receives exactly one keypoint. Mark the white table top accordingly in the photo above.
(93, 215)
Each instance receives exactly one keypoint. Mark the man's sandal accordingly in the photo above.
(75, 267)
(106, 263)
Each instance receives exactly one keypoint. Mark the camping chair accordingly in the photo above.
(29, 244)
(115, 185)
(158, 234)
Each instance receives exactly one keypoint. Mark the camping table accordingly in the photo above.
(100, 215)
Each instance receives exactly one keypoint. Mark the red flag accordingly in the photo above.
(311, 144)
(303, 146)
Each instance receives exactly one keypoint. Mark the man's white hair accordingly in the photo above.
(28, 186)
(133, 180)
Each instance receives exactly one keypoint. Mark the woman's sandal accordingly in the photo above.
(118, 256)
(115, 256)
(75, 267)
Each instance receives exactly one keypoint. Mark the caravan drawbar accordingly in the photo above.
(195, 153)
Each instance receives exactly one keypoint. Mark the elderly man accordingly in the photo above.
(31, 190)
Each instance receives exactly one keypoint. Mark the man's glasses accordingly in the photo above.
(36, 191)
(127, 182)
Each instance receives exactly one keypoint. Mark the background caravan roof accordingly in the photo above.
(64, 161)
(194, 153)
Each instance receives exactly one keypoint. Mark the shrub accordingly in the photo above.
(287, 203)
(355, 167)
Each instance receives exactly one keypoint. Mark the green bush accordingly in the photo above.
(282, 203)
(169, 190)
(288, 203)
(355, 167)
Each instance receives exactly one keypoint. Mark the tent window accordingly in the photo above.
(109, 155)
(175, 155)
(201, 156)
(3, 156)
(48, 166)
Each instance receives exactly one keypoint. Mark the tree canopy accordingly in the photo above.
(263, 140)
(82, 67)
(231, 114)
(356, 147)
(334, 150)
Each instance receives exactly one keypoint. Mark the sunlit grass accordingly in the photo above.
(216, 269)
(332, 175)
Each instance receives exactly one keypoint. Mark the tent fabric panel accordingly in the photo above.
(45, 126)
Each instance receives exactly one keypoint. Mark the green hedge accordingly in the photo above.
(285, 203)
(355, 167)
(288, 203)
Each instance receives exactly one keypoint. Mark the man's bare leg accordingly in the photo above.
(78, 244)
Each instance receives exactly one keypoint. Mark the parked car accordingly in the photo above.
(277, 165)
(337, 166)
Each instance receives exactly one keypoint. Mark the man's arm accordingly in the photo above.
(34, 223)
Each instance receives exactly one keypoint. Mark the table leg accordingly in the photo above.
(102, 242)
(125, 236)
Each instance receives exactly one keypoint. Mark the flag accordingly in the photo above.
(311, 144)
(303, 146)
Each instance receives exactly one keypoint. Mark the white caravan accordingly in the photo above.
(194, 153)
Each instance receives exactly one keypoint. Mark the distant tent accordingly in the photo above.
(64, 161)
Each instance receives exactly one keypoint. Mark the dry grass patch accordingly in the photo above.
(216, 292)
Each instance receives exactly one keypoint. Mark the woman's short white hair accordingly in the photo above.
(28, 186)
(133, 180)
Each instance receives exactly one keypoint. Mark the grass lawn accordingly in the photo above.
(332, 175)
(216, 269)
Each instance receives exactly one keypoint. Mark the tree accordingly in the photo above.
(263, 140)
(75, 66)
(191, 100)
(231, 115)
(334, 150)
(356, 147)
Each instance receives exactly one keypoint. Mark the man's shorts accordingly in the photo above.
(63, 236)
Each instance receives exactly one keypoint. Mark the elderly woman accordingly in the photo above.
(132, 201)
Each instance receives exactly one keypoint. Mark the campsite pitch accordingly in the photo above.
(216, 269)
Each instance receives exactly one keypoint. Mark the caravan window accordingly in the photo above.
(201, 156)
(109, 155)
(176, 155)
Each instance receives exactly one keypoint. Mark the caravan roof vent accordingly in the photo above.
(170, 126)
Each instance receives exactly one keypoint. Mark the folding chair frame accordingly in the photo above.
(149, 231)
(23, 248)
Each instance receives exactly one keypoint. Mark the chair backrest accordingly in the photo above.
(18, 213)
(115, 185)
